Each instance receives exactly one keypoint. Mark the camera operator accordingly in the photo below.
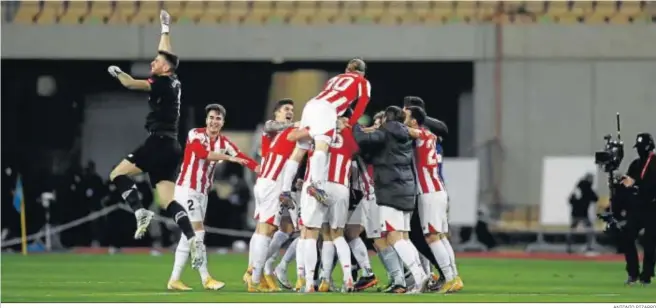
(641, 213)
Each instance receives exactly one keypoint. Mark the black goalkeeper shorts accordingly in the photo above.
(159, 156)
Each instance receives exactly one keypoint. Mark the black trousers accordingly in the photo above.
(637, 221)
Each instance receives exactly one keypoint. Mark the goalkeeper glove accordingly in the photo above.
(165, 21)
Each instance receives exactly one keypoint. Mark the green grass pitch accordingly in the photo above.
(142, 278)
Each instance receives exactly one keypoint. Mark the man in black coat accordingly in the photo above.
(641, 213)
(391, 154)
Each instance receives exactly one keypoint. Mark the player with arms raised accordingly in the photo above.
(320, 118)
(160, 154)
(433, 200)
(205, 148)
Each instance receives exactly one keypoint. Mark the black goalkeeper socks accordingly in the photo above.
(128, 190)
(179, 214)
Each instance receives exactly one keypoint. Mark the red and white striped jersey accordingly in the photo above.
(340, 155)
(365, 178)
(278, 154)
(197, 171)
(265, 145)
(344, 89)
(426, 163)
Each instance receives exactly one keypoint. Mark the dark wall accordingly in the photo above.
(40, 134)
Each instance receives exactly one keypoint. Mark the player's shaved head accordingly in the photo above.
(356, 65)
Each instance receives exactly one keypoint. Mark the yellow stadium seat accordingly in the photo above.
(566, 19)
(49, 12)
(632, 8)
(352, 11)
(398, 8)
(535, 7)
(100, 12)
(421, 8)
(27, 12)
(582, 8)
(327, 12)
(619, 19)
(175, 9)
(259, 12)
(238, 11)
(216, 11)
(597, 19)
(398, 12)
(148, 13)
(511, 6)
(75, 12)
(464, 11)
(305, 13)
(282, 11)
(124, 12)
(559, 12)
(486, 10)
(194, 10)
(602, 11)
(557, 8)
(375, 10)
(440, 13)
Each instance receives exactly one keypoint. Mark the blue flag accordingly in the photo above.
(18, 194)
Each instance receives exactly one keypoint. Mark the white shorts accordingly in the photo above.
(313, 213)
(356, 216)
(370, 217)
(392, 219)
(338, 204)
(320, 117)
(194, 202)
(433, 212)
(267, 201)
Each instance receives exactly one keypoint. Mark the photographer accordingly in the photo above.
(641, 212)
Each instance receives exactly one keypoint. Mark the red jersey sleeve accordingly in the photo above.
(195, 144)
(349, 140)
(364, 93)
(233, 150)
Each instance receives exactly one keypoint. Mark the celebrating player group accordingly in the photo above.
(356, 180)
(335, 198)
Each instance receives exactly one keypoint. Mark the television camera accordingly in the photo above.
(609, 159)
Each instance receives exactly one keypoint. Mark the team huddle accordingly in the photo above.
(356, 180)
(335, 199)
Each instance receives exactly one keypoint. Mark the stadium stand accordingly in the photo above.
(331, 12)
(303, 13)
(100, 12)
(75, 12)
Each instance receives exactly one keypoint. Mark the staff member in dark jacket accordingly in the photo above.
(580, 200)
(392, 154)
(641, 214)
